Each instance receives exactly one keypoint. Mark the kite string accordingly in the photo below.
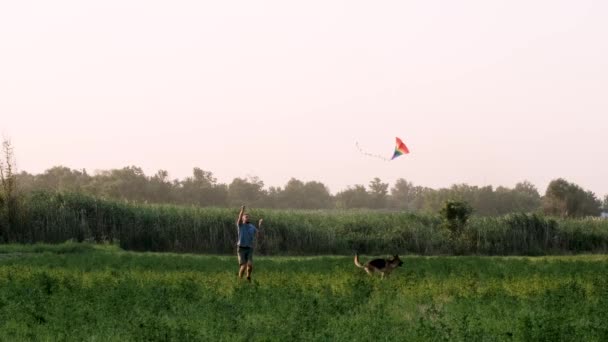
(370, 154)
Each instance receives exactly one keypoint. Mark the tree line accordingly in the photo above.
(561, 198)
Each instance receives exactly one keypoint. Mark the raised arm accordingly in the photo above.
(259, 230)
(239, 220)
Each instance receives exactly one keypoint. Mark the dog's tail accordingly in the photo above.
(357, 263)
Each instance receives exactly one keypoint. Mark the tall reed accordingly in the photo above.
(57, 217)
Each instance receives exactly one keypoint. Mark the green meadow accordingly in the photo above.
(76, 292)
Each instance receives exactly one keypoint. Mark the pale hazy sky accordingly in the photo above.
(483, 92)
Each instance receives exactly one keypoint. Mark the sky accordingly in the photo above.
(482, 92)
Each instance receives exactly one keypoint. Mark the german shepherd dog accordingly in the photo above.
(383, 266)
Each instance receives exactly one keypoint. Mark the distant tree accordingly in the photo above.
(219, 196)
(433, 200)
(292, 196)
(569, 200)
(505, 200)
(8, 192)
(61, 178)
(273, 197)
(128, 183)
(378, 192)
(248, 191)
(202, 189)
(523, 198)
(160, 188)
(403, 195)
(353, 197)
(464, 192)
(555, 201)
(26, 181)
(300, 195)
(484, 201)
(317, 195)
(527, 198)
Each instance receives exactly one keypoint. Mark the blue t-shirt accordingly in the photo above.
(246, 235)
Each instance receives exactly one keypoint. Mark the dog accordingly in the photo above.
(383, 266)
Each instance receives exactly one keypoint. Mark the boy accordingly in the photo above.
(247, 233)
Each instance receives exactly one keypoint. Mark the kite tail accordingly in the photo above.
(370, 154)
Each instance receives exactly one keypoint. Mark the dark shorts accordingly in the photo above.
(245, 255)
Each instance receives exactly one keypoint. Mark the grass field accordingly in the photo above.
(87, 292)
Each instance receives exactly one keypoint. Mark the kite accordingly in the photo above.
(400, 149)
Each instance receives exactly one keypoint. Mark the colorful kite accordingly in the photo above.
(400, 149)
